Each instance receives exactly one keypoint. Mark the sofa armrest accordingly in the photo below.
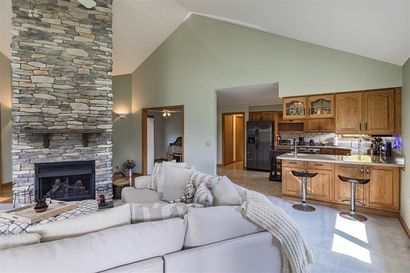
(133, 195)
(141, 182)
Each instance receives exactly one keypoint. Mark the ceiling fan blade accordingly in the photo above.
(89, 4)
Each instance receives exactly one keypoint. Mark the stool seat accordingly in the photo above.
(354, 180)
(304, 174)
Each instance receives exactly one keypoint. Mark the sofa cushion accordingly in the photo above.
(225, 193)
(83, 224)
(22, 239)
(153, 265)
(142, 182)
(173, 183)
(133, 195)
(158, 172)
(209, 225)
(98, 251)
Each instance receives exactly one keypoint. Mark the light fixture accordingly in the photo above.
(119, 116)
(166, 114)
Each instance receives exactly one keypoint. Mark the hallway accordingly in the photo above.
(253, 180)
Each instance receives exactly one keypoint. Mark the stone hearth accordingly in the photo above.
(61, 79)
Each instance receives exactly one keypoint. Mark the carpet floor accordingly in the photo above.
(340, 245)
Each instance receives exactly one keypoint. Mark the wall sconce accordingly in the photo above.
(119, 116)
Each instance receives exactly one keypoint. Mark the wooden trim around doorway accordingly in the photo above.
(244, 136)
(144, 117)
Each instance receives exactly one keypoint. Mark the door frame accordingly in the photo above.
(223, 136)
(144, 117)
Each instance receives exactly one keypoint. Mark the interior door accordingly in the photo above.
(228, 139)
(150, 144)
(239, 138)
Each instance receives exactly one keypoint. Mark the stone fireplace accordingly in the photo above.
(62, 94)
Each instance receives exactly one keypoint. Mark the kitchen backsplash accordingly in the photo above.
(317, 137)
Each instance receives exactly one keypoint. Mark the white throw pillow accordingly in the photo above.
(21, 239)
(225, 193)
(142, 182)
(173, 183)
(158, 172)
(81, 225)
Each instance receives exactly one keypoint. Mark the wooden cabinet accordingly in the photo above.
(291, 185)
(321, 186)
(379, 112)
(343, 189)
(294, 108)
(349, 113)
(254, 116)
(383, 190)
(320, 125)
(321, 106)
(342, 151)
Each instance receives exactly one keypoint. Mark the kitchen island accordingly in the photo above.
(381, 195)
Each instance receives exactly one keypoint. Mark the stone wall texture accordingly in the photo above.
(62, 79)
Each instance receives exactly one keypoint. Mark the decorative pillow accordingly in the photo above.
(199, 178)
(142, 182)
(203, 196)
(189, 193)
(156, 172)
(173, 184)
(22, 239)
(225, 193)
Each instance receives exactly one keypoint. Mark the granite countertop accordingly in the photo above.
(396, 161)
(313, 146)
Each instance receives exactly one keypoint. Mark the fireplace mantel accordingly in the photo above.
(47, 132)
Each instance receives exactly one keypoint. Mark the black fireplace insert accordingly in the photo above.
(66, 181)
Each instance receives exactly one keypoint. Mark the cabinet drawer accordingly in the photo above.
(327, 151)
(294, 163)
(320, 166)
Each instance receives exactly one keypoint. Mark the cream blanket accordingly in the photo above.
(296, 254)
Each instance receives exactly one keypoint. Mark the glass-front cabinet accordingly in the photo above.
(294, 108)
(321, 106)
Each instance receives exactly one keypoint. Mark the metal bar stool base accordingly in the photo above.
(303, 207)
(353, 216)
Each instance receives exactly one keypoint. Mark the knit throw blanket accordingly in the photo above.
(296, 254)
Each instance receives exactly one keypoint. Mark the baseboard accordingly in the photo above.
(405, 227)
(219, 165)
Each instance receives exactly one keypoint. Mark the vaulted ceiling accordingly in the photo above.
(378, 29)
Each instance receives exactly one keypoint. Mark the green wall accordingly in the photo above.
(122, 138)
(204, 55)
(405, 175)
(5, 123)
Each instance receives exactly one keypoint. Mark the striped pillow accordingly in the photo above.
(199, 178)
(203, 196)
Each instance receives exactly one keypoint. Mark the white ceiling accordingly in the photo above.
(252, 95)
(379, 29)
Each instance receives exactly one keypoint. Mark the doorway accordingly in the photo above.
(233, 126)
(162, 135)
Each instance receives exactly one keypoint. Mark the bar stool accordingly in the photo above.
(352, 215)
(303, 206)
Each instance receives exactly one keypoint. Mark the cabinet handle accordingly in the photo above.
(366, 126)
(360, 126)
(318, 164)
(293, 163)
(368, 170)
(361, 170)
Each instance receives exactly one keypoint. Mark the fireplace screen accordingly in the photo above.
(68, 181)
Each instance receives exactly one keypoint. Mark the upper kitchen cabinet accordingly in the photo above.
(379, 112)
(349, 113)
(321, 106)
(294, 108)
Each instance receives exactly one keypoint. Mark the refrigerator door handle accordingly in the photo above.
(257, 138)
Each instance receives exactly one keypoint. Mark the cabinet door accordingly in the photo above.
(320, 187)
(327, 151)
(349, 109)
(379, 112)
(321, 106)
(291, 185)
(254, 116)
(383, 190)
(327, 125)
(343, 189)
(312, 125)
(294, 108)
(268, 116)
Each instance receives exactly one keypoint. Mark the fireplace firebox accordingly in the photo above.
(66, 181)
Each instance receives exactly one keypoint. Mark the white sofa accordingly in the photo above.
(215, 239)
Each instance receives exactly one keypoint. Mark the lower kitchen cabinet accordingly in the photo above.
(381, 193)
(291, 185)
(383, 190)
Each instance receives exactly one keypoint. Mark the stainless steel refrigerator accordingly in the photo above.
(259, 144)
